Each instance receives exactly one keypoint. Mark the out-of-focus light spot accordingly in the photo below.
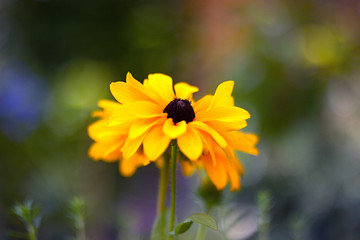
(22, 100)
(320, 45)
(79, 86)
(342, 98)
(241, 222)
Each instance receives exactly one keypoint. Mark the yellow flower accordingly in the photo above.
(138, 129)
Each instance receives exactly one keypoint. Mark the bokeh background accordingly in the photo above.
(297, 69)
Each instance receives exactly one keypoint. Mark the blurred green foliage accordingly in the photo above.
(29, 215)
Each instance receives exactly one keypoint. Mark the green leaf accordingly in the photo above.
(205, 220)
(200, 218)
(182, 227)
(160, 228)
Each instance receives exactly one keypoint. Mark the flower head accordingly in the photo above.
(138, 128)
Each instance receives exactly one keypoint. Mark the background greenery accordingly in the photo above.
(296, 68)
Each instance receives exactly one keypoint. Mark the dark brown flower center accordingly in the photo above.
(180, 110)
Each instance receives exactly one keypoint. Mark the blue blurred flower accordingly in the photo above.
(23, 98)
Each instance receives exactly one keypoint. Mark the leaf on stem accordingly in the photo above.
(200, 218)
(182, 227)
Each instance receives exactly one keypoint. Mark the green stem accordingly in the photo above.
(174, 153)
(163, 184)
(32, 233)
(80, 235)
(201, 232)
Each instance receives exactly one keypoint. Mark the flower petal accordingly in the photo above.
(120, 115)
(133, 82)
(173, 131)
(203, 103)
(225, 114)
(134, 110)
(100, 131)
(227, 126)
(234, 160)
(125, 93)
(240, 167)
(209, 145)
(109, 152)
(162, 85)
(187, 168)
(190, 143)
(108, 105)
(144, 109)
(232, 174)
(128, 167)
(204, 127)
(155, 143)
(131, 146)
(222, 96)
(244, 142)
(217, 174)
(185, 91)
(143, 88)
(140, 126)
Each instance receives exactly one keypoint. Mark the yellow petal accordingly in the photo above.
(230, 166)
(222, 96)
(155, 143)
(162, 85)
(174, 130)
(209, 145)
(217, 174)
(100, 131)
(128, 167)
(96, 128)
(98, 113)
(96, 151)
(203, 103)
(216, 136)
(105, 151)
(232, 174)
(134, 110)
(108, 104)
(184, 90)
(190, 143)
(240, 167)
(144, 109)
(227, 126)
(131, 146)
(187, 168)
(244, 142)
(143, 88)
(225, 114)
(130, 91)
(113, 150)
(125, 93)
(120, 115)
(140, 126)
(132, 81)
